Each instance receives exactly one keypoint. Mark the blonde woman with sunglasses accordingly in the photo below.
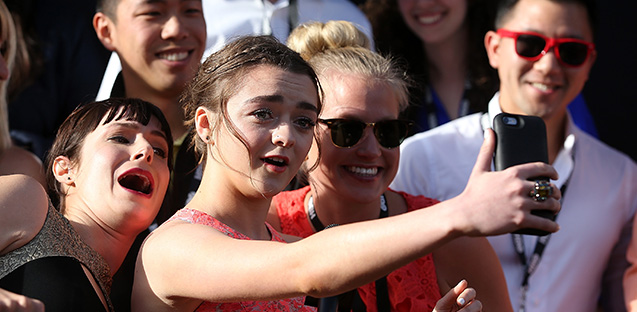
(359, 133)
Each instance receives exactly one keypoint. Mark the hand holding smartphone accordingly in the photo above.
(521, 139)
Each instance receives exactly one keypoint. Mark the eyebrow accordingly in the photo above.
(279, 99)
(569, 36)
(136, 126)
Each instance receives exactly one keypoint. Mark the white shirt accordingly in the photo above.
(599, 203)
(227, 19)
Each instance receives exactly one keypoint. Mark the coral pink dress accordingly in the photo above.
(413, 287)
(294, 304)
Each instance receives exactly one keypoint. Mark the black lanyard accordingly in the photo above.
(293, 15)
(318, 225)
(351, 301)
(531, 265)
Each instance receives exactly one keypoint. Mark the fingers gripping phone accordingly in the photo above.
(521, 139)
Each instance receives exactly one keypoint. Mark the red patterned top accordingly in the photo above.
(293, 304)
(413, 287)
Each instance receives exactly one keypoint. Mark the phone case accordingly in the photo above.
(521, 139)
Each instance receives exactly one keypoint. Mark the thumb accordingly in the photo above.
(485, 156)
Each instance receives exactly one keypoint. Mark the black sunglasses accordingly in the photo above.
(348, 132)
(532, 46)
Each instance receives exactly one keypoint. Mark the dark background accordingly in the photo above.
(611, 91)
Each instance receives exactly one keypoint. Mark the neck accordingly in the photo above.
(554, 120)
(112, 246)
(245, 213)
(167, 101)
(447, 70)
(555, 134)
(174, 115)
(333, 209)
(447, 58)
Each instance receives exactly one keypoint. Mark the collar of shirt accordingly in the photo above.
(564, 162)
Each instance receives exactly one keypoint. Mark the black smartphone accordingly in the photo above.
(521, 139)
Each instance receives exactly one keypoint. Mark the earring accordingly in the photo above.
(208, 141)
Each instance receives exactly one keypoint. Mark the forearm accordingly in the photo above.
(348, 256)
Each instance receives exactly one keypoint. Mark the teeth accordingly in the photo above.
(174, 56)
(277, 161)
(429, 19)
(363, 171)
(540, 86)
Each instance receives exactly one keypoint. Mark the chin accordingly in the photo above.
(268, 190)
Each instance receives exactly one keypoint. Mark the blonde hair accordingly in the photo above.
(339, 45)
(8, 35)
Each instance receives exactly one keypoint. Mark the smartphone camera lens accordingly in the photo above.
(510, 121)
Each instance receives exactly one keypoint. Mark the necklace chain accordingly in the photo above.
(318, 225)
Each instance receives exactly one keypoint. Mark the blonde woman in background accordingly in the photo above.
(356, 165)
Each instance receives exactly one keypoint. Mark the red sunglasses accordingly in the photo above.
(532, 46)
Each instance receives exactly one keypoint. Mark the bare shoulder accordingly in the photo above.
(459, 257)
(473, 259)
(23, 206)
(16, 160)
(168, 250)
(175, 237)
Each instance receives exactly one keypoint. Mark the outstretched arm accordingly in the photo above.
(339, 259)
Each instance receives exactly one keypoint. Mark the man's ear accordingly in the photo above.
(492, 45)
(62, 170)
(103, 26)
(593, 57)
(204, 125)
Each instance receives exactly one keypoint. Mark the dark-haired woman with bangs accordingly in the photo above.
(108, 169)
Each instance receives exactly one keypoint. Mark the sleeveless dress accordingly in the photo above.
(413, 287)
(293, 304)
(49, 268)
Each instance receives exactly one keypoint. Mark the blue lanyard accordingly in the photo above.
(435, 113)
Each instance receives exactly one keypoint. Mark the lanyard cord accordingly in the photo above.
(531, 265)
(318, 225)
(437, 113)
(351, 299)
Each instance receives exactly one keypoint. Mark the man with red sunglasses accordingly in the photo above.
(543, 51)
